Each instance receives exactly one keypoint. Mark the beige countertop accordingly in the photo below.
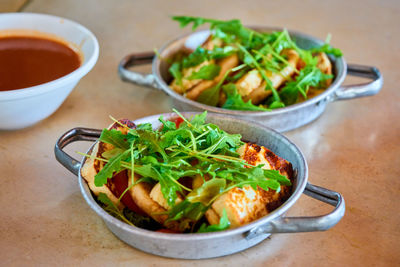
(353, 148)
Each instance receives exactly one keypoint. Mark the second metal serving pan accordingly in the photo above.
(282, 119)
(208, 245)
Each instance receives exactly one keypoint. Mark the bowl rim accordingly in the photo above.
(71, 77)
(279, 212)
(339, 64)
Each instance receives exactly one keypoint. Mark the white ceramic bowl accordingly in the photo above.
(24, 107)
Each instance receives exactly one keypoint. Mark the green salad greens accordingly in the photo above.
(174, 152)
(263, 52)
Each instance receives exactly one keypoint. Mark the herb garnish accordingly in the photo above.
(207, 72)
(234, 100)
(168, 154)
(256, 50)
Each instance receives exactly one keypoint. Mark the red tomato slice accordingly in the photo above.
(178, 122)
(117, 184)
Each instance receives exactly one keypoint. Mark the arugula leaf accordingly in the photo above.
(276, 104)
(142, 127)
(198, 21)
(112, 153)
(221, 52)
(109, 206)
(274, 174)
(199, 119)
(328, 49)
(169, 186)
(175, 70)
(228, 31)
(217, 140)
(209, 96)
(234, 100)
(196, 58)
(224, 224)
(112, 166)
(175, 137)
(283, 41)
(103, 198)
(115, 138)
(207, 191)
(251, 59)
(308, 58)
(185, 20)
(167, 125)
(150, 138)
(254, 177)
(239, 74)
(309, 76)
(146, 170)
(138, 220)
(187, 209)
(207, 72)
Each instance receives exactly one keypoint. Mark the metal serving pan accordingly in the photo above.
(208, 245)
(283, 119)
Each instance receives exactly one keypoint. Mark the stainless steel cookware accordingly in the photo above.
(207, 245)
(283, 119)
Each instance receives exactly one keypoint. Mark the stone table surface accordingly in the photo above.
(353, 148)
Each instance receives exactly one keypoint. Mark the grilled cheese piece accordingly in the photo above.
(244, 205)
(151, 203)
(88, 171)
(157, 196)
(226, 64)
(250, 81)
(260, 93)
(325, 65)
(188, 84)
(138, 199)
(92, 166)
(212, 42)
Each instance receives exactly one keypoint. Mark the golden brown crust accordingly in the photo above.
(92, 166)
(140, 194)
(255, 155)
(325, 65)
(103, 147)
(88, 172)
(277, 79)
(226, 64)
(244, 205)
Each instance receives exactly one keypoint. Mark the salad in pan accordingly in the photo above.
(241, 69)
(187, 176)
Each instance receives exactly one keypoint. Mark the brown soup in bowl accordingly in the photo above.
(29, 60)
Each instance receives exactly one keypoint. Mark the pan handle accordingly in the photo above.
(360, 90)
(306, 224)
(73, 135)
(136, 59)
